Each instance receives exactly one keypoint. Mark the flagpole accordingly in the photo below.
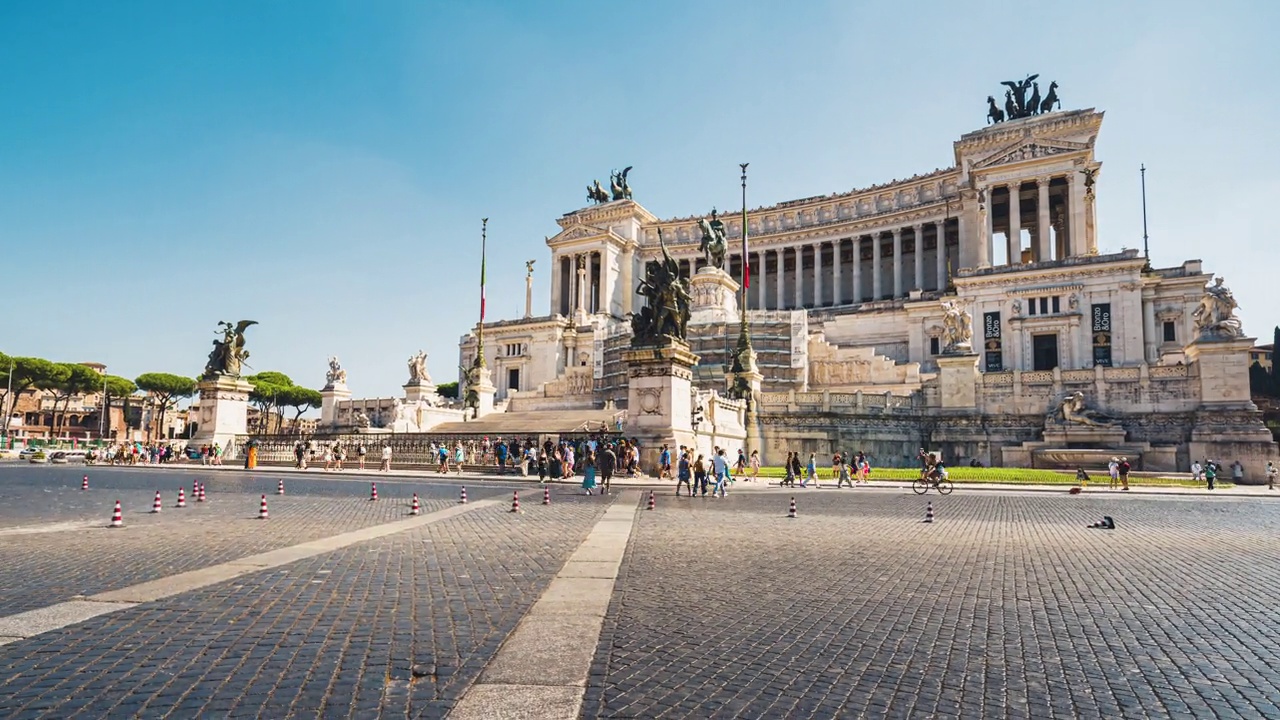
(742, 360)
(484, 241)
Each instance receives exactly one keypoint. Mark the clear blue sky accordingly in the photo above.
(322, 167)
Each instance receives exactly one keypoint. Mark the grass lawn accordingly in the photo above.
(1010, 476)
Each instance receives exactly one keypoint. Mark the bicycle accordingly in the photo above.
(937, 481)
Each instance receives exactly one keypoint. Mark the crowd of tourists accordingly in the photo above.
(136, 453)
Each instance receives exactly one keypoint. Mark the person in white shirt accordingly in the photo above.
(1197, 471)
(386, 458)
(720, 467)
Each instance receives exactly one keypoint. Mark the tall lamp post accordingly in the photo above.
(8, 401)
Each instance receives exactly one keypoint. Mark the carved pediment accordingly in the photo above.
(1029, 150)
(578, 232)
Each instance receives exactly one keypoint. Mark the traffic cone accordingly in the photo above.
(652, 501)
(928, 513)
(200, 495)
(262, 511)
(195, 490)
(280, 487)
(117, 518)
(546, 494)
(462, 499)
(155, 507)
(515, 502)
(416, 509)
(373, 494)
(791, 511)
(182, 498)
(84, 484)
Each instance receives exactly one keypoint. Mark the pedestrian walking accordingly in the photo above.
(684, 474)
(1113, 469)
(607, 463)
(843, 475)
(361, 450)
(386, 459)
(1271, 475)
(811, 472)
(442, 458)
(1125, 467)
(1237, 473)
(789, 477)
(1197, 471)
(700, 475)
(1082, 477)
(720, 466)
(588, 473)
(755, 464)
(1210, 474)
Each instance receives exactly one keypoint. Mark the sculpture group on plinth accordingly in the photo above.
(418, 374)
(1016, 103)
(228, 354)
(1215, 317)
(666, 310)
(336, 375)
(1072, 410)
(714, 246)
(957, 328)
(618, 188)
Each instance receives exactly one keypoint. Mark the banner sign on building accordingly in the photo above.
(994, 349)
(1102, 334)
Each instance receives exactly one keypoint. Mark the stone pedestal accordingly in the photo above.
(419, 391)
(485, 392)
(330, 396)
(224, 411)
(713, 297)
(1223, 368)
(659, 401)
(958, 381)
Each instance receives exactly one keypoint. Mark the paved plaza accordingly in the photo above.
(336, 606)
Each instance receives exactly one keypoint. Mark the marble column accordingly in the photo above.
(857, 269)
(555, 284)
(757, 277)
(1150, 343)
(581, 292)
(817, 275)
(836, 272)
(1076, 242)
(941, 258)
(985, 222)
(628, 287)
(1015, 223)
(780, 279)
(1044, 246)
(799, 294)
(918, 231)
(897, 262)
(877, 284)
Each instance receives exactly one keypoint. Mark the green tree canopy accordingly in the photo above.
(119, 387)
(29, 372)
(269, 388)
(73, 379)
(449, 389)
(299, 398)
(166, 389)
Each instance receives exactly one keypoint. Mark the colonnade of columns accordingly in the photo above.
(883, 265)
(576, 283)
(1051, 209)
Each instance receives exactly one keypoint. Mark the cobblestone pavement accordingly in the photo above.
(43, 568)
(393, 627)
(1006, 606)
